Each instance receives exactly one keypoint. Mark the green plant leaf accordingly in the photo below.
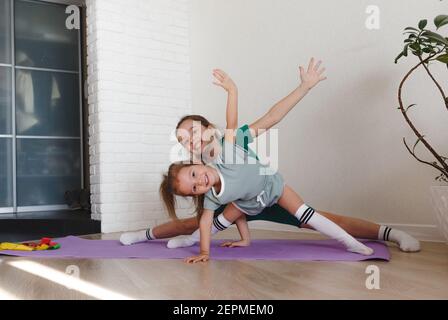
(402, 53)
(416, 49)
(440, 20)
(405, 50)
(415, 46)
(422, 24)
(410, 28)
(443, 58)
(435, 37)
(399, 56)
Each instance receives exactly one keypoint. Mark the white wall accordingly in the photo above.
(139, 86)
(341, 148)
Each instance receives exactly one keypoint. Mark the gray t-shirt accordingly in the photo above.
(243, 182)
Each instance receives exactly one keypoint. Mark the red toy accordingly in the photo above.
(44, 244)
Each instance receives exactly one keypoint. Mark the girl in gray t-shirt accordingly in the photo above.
(242, 181)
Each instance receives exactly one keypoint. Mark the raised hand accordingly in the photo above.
(223, 80)
(313, 75)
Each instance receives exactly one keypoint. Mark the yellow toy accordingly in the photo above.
(44, 244)
(14, 246)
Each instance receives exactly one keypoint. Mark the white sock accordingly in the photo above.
(405, 241)
(308, 215)
(129, 238)
(220, 223)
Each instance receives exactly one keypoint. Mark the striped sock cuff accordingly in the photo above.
(384, 233)
(304, 214)
(218, 225)
(149, 234)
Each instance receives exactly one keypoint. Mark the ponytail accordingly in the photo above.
(167, 195)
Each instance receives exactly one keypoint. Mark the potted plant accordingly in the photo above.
(429, 47)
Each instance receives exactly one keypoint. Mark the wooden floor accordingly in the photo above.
(422, 275)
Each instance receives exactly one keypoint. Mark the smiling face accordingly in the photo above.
(193, 136)
(196, 180)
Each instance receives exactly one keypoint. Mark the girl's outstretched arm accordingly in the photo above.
(309, 78)
(224, 81)
(243, 229)
(205, 227)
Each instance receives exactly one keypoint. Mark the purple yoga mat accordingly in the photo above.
(297, 250)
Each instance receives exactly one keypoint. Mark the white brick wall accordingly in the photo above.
(138, 87)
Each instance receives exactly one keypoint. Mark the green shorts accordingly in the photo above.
(274, 213)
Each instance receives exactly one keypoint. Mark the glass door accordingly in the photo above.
(40, 107)
(6, 93)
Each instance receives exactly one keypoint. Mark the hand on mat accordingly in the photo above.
(234, 244)
(199, 258)
(223, 80)
(313, 74)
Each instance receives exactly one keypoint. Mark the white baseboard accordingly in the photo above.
(422, 232)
